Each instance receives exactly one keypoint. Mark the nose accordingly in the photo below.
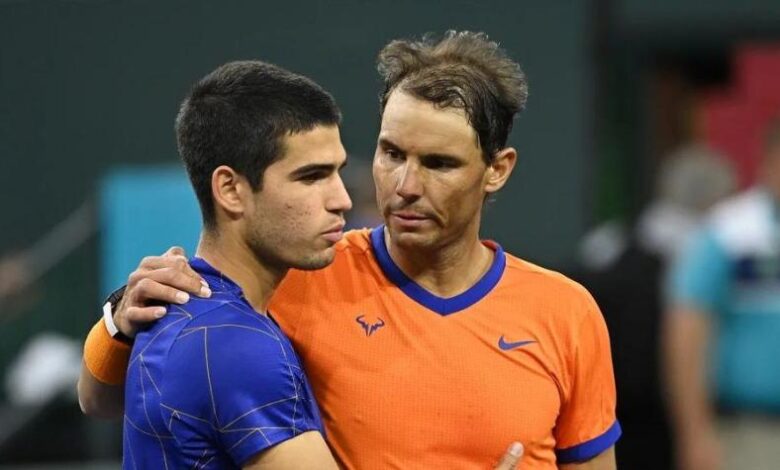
(410, 183)
(339, 201)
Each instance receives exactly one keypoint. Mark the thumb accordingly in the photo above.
(511, 458)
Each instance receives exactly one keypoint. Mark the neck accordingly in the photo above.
(444, 270)
(231, 256)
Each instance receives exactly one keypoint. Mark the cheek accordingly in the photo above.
(461, 200)
(297, 214)
(382, 182)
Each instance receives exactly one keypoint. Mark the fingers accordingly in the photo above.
(168, 279)
(511, 458)
(175, 251)
(171, 270)
(141, 315)
(149, 290)
(166, 261)
(175, 278)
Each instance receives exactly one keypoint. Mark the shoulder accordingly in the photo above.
(355, 242)
(352, 252)
(563, 305)
(230, 325)
(231, 349)
(544, 282)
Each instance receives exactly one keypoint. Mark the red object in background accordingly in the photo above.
(734, 119)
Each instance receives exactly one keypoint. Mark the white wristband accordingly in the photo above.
(108, 319)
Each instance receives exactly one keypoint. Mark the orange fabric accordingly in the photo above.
(430, 391)
(106, 358)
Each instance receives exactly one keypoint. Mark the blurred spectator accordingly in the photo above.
(722, 332)
(623, 269)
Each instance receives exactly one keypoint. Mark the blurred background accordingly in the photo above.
(641, 116)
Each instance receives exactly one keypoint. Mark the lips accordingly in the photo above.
(336, 228)
(409, 215)
(335, 233)
(409, 221)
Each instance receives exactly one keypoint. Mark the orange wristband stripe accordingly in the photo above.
(106, 358)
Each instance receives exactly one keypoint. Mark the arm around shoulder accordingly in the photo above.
(101, 383)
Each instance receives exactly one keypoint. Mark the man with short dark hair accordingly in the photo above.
(216, 383)
(427, 347)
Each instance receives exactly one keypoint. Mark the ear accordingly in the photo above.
(231, 192)
(499, 170)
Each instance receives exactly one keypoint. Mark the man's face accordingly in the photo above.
(429, 173)
(298, 215)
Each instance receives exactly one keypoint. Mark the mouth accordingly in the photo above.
(409, 219)
(335, 233)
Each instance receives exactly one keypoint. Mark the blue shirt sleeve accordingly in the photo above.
(700, 276)
(237, 386)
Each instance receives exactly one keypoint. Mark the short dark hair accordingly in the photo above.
(237, 116)
(463, 70)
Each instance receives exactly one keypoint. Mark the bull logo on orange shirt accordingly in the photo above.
(370, 328)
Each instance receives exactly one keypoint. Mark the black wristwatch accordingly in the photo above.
(108, 316)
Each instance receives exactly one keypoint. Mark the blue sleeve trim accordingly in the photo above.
(589, 449)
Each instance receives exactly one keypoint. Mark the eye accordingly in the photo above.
(393, 154)
(313, 177)
(440, 163)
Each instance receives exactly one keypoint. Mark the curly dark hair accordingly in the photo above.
(463, 70)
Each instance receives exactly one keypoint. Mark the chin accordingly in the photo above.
(410, 239)
(315, 261)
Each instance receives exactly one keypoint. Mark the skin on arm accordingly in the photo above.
(307, 450)
(603, 461)
(158, 279)
(98, 399)
(686, 336)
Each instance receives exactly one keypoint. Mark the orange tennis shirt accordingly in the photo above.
(406, 379)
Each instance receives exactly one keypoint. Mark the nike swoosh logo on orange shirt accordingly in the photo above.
(508, 346)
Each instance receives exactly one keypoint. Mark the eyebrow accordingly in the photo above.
(316, 167)
(386, 143)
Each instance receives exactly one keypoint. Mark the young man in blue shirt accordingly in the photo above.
(215, 383)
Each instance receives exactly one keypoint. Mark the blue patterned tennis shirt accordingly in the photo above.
(212, 384)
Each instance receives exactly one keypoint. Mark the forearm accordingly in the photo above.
(101, 383)
(98, 399)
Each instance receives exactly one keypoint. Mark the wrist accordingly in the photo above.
(110, 319)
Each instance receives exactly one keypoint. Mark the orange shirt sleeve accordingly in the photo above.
(587, 425)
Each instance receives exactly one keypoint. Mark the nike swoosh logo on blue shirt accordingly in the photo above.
(508, 346)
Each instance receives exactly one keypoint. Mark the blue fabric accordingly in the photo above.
(742, 294)
(440, 305)
(212, 384)
(700, 278)
(589, 449)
